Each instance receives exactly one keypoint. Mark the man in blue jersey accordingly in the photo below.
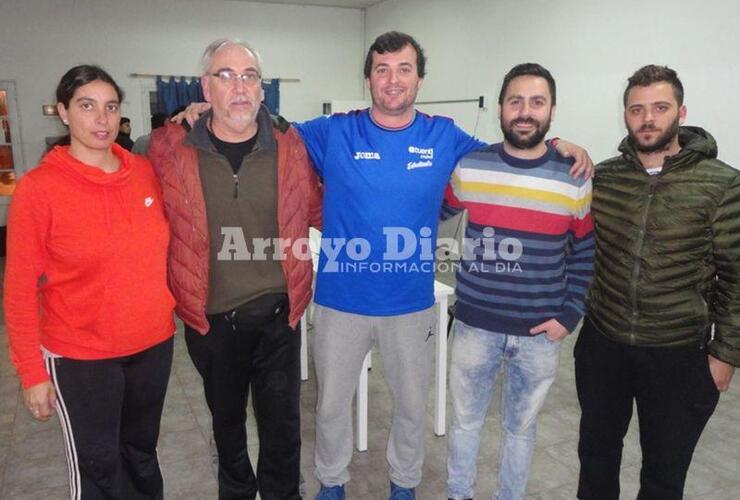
(384, 170)
(521, 291)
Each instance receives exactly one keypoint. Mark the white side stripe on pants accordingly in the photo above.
(69, 443)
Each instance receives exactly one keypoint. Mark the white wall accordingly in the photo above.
(40, 40)
(591, 48)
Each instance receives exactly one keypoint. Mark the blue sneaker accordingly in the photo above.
(330, 493)
(398, 493)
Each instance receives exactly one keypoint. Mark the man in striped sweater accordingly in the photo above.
(526, 265)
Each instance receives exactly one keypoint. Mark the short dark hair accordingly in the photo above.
(82, 75)
(527, 69)
(158, 120)
(125, 119)
(647, 75)
(393, 41)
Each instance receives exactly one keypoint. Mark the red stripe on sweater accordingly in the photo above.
(518, 219)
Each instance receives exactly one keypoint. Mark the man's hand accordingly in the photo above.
(721, 373)
(583, 166)
(192, 113)
(41, 399)
(552, 329)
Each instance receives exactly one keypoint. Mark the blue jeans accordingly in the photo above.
(530, 365)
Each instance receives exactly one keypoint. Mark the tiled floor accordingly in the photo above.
(32, 464)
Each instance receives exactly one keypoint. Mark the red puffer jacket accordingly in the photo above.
(299, 206)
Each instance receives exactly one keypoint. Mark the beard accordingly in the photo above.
(238, 119)
(526, 142)
(660, 143)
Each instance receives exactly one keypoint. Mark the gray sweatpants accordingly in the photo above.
(406, 344)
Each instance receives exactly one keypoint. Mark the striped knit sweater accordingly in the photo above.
(528, 253)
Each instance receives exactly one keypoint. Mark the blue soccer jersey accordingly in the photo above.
(383, 190)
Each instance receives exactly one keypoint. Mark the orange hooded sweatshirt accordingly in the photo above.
(86, 272)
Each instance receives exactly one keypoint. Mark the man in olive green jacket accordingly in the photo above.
(663, 321)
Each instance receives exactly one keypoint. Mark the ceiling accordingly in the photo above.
(351, 4)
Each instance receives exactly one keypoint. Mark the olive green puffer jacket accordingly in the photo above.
(667, 262)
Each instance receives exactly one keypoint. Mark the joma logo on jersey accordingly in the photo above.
(367, 155)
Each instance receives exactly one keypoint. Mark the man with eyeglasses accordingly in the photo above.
(233, 185)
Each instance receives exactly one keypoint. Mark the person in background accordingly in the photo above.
(141, 145)
(124, 134)
(87, 307)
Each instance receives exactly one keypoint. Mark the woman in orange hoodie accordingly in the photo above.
(88, 311)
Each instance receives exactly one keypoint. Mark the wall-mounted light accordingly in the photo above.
(49, 110)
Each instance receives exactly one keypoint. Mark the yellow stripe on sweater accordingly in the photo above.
(573, 205)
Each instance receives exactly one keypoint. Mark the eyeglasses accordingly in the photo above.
(231, 77)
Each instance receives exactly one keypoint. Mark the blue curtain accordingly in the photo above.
(195, 91)
(172, 94)
(181, 88)
(166, 95)
(272, 95)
